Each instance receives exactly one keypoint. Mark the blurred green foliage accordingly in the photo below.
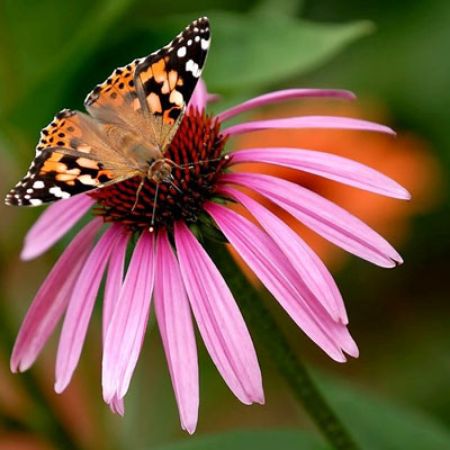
(52, 53)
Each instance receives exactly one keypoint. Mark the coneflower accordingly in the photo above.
(170, 265)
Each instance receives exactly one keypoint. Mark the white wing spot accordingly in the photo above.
(38, 184)
(191, 66)
(205, 44)
(181, 53)
(58, 192)
(189, 42)
(35, 201)
(197, 38)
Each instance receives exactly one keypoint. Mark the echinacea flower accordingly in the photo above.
(169, 265)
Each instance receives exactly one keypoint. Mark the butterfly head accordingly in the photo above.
(160, 170)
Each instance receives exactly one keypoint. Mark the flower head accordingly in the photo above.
(169, 265)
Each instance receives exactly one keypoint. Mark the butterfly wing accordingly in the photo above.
(150, 94)
(115, 101)
(72, 157)
(134, 116)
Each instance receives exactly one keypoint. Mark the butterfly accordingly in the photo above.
(131, 119)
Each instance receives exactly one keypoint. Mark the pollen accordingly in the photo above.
(197, 162)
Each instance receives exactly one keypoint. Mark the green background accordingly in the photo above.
(396, 54)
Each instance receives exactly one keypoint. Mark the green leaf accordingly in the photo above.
(378, 424)
(281, 7)
(244, 440)
(256, 50)
(252, 51)
(49, 53)
(41, 31)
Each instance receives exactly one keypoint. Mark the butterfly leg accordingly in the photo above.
(155, 201)
(138, 192)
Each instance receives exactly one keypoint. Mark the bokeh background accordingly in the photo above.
(395, 56)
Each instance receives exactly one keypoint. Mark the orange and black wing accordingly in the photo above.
(138, 106)
(72, 157)
(150, 94)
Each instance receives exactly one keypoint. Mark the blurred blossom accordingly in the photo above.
(169, 262)
(22, 441)
(13, 401)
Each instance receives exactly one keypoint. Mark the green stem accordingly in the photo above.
(283, 355)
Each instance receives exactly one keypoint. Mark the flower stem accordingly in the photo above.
(269, 334)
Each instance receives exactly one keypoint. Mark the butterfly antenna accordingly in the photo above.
(138, 192)
(171, 182)
(155, 201)
(192, 164)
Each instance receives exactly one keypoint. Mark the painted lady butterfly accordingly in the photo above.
(132, 118)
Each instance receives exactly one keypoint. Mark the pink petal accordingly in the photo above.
(117, 406)
(199, 97)
(129, 321)
(114, 281)
(54, 223)
(324, 217)
(274, 270)
(51, 300)
(113, 286)
(286, 94)
(331, 122)
(326, 165)
(219, 320)
(212, 98)
(304, 261)
(80, 307)
(177, 332)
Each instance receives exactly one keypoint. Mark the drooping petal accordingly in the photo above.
(126, 331)
(324, 217)
(114, 281)
(325, 165)
(113, 286)
(80, 307)
(51, 300)
(307, 264)
(177, 332)
(219, 320)
(331, 122)
(117, 406)
(199, 97)
(275, 271)
(286, 94)
(54, 223)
